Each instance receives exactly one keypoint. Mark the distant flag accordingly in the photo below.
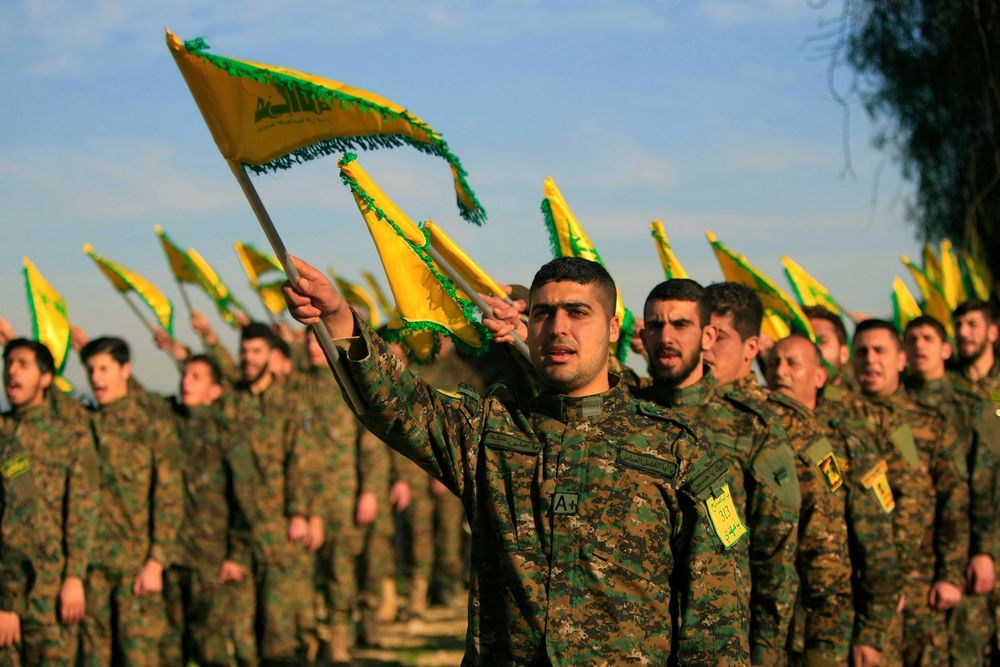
(904, 306)
(265, 275)
(932, 264)
(570, 240)
(778, 307)
(356, 295)
(268, 118)
(808, 290)
(426, 300)
(671, 265)
(981, 261)
(180, 263)
(125, 281)
(457, 258)
(380, 297)
(49, 319)
(935, 304)
(975, 283)
(951, 275)
(216, 290)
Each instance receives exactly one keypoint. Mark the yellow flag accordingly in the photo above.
(808, 290)
(125, 280)
(216, 290)
(951, 276)
(357, 295)
(778, 306)
(457, 258)
(935, 303)
(257, 264)
(426, 300)
(270, 118)
(376, 289)
(981, 261)
(49, 316)
(671, 265)
(570, 240)
(975, 286)
(180, 264)
(904, 306)
(932, 265)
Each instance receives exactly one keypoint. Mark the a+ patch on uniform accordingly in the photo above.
(564, 502)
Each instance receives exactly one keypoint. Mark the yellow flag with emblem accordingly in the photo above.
(49, 319)
(935, 304)
(213, 286)
(357, 295)
(177, 259)
(269, 118)
(568, 239)
(265, 275)
(781, 314)
(904, 306)
(668, 260)
(808, 290)
(426, 300)
(125, 280)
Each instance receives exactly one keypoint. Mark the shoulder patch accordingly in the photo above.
(778, 472)
(877, 481)
(820, 454)
(902, 440)
(14, 466)
(725, 518)
(702, 483)
(647, 463)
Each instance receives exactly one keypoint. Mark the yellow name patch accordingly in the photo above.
(725, 519)
(15, 466)
(829, 468)
(877, 480)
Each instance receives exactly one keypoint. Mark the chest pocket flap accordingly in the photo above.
(902, 440)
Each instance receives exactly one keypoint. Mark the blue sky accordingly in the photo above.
(707, 115)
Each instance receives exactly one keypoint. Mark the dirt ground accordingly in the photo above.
(437, 640)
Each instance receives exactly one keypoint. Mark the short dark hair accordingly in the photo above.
(798, 335)
(116, 347)
(827, 315)
(741, 302)
(876, 324)
(926, 321)
(43, 356)
(681, 289)
(213, 366)
(256, 330)
(281, 345)
(976, 305)
(580, 271)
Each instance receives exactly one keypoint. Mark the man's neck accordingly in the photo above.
(694, 376)
(260, 385)
(982, 366)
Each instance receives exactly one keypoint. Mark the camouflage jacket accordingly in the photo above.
(979, 434)
(141, 487)
(24, 551)
(876, 575)
(272, 424)
(67, 476)
(591, 534)
(220, 482)
(822, 625)
(765, 485)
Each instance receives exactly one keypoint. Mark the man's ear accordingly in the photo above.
(946, 351)
(845, 354)
(127, 369)
(614, 329)
(46, 380)
(821, 377)
(709, 334)
(214, 392)
(901, 361)
(751, 346)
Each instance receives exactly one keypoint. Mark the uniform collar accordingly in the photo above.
(696, 394)
(584, 408)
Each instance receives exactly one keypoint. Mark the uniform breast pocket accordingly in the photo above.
(635, 526)
(512, 490)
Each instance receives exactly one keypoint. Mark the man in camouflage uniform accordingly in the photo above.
(575, 496)
(796, 370)
(930, 489)
(831, 337)
(927, 350)
(66, 472)
(764, 484)
(140, 514)
(272, 419)
(214, 552)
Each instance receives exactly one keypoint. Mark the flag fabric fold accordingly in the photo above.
(269, 118)
(264, 274)
(904, 306)
(671, 265)
(460, 261)
(125, 280)
(177, 259)
(426, 300)
(357, 295)
(808, 290)
(781, 314)
(213, 286)
(952, 285)
(568, 239)
(50, 324)
(935, 304)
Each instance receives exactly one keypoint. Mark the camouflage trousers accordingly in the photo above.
(202, 617)
(378, 557)
(974, 628)
(449, 516)
(285, 605)
(46, 640)
(336, 570)
(918, 637)
(416, 525)
(118, 624)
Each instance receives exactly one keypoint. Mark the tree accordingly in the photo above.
(928, 72)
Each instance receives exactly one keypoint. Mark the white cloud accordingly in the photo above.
(742, 12)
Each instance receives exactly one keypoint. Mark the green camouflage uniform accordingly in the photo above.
(272, 422)
(141, 512)
(219, 485)
(875, 566)
(766, 490)
(25, 553)
(821, 628)
(376, 475)
(590, 528)
(67, 475)
(930, 521)
(971, 623)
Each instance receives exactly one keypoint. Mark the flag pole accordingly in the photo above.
(184, 297)
(456, 278)
(138, 313)
(278, 246)
(267, 311)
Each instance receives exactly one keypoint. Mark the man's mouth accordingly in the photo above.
(667, 355)
(558, 354)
